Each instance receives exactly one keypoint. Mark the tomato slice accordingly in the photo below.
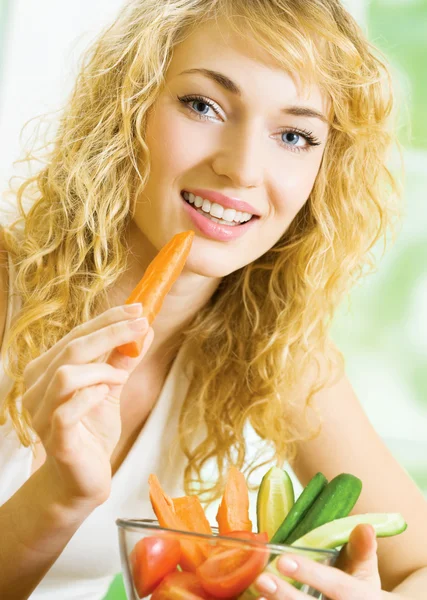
(180, 586)
(229, 571)
(152, 558)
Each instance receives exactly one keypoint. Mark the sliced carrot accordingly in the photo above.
(163, 505)
(157, 281)
(191, 553)
(190, 511)
(233, 512)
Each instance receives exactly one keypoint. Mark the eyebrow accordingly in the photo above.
(230, 86)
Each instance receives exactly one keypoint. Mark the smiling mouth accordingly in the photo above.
(207, 215)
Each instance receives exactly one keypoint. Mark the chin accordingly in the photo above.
(205, 266)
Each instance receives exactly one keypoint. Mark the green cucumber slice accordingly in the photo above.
(274, 500)
(335, 501)
(300, 507)
(337, 533)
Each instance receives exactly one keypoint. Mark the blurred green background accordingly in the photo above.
(384, 334)
(382, 331)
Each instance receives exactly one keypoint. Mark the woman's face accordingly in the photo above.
(260, 143)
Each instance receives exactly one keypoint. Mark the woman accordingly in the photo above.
(199, 114)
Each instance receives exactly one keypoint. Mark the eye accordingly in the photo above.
(292, 138)
(200, 106)
(297, 140)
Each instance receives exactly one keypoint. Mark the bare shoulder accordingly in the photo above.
(4, 285)
(348, 443)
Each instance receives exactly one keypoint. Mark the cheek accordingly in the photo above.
(174, 145)
(296, 183)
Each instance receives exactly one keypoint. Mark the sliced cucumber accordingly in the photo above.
(335, 501)
(305, 500)
(337, 533)
(274, 501)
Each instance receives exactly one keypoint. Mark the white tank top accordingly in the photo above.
(90, 561)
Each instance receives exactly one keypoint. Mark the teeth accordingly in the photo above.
(228, 215)
(217, 211)
(221, 221)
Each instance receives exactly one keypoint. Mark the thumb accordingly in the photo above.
(359, 556)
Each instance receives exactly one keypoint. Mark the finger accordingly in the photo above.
(274, 588)
(69, 414)
(67, 380)
(127, 363)
(39, 366)
(70, 378)
(83, 350)
(332, 582)
(362, 544)
(90, 347)
(359, 556)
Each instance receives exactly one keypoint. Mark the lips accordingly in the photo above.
(212, 230)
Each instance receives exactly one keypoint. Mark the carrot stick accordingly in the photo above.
(157, 281)
(191, 513)
(191, 553)
(233, 512)
(163, 505)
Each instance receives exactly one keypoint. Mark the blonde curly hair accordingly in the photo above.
(246, 364)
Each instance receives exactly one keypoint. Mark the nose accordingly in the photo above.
(241, 158)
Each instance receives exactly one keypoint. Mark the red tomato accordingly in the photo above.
(151, 559)
(229, 571)
(180, 586)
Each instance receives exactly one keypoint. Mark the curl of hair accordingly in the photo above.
(246, 364)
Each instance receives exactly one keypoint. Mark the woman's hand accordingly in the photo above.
(74, 402)
(355, 576)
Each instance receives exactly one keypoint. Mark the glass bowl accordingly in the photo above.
(229, 567)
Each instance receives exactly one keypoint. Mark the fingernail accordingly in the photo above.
(133, 309)
(287, 565)
(265, 584)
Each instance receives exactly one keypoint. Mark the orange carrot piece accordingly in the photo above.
(233, 512)
(191, 553)
(191, 513)
(157, 281)
(163, 505)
